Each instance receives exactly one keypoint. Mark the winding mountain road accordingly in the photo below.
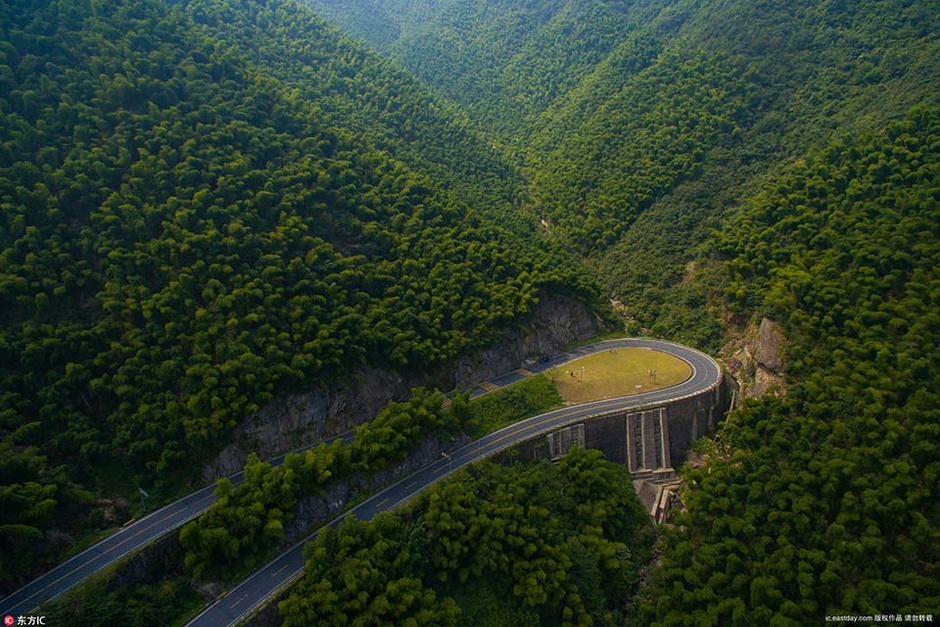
(267, 582)
(121, 543)
(255, 590)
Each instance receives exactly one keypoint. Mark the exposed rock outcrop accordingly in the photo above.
(313, 511)
(756, 359)
(150, 565)
(554, 323)
(290, 422)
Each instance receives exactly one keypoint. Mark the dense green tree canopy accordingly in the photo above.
(205, 204)
(828, 501)
(183, 237)
(640, 123)
(380, 23)
(543, 537)
(359, 91)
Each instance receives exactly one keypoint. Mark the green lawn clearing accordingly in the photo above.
(617, 372)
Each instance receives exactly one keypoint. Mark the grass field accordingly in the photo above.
(617, 372)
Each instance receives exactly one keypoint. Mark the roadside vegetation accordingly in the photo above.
(246, 525)
(501, 546)
(247, 522)
(827, 502)
(184, 238)
(159, 598)
(502, 407)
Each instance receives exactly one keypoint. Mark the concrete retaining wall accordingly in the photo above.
(650, 438)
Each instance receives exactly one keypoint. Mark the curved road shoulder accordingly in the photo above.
(264, 584)
(139, 533)
(120, 544)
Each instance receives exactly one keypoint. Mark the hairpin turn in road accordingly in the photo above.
(267, 582)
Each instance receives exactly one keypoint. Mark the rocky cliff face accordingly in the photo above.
(290, 422)
(294, 420)
(163, 558)
(553, 324)
(151, 565)
(315, 510)
(756, 359)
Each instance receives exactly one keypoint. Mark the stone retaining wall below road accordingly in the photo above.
(646, 440)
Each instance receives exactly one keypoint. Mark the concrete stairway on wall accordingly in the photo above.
(655, 488)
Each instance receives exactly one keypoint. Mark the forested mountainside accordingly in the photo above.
(503, 61)
(381, 23)
(184, 236)
(375, 100)
(506, 62)
(628, 116)
(828, 502)
(778, 80)
(206, 204)
(727, 161)
(541, 544)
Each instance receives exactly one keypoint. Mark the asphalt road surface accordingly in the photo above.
(118, 545)
(264, 584)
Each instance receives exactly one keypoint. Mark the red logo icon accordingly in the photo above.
(8, 620)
